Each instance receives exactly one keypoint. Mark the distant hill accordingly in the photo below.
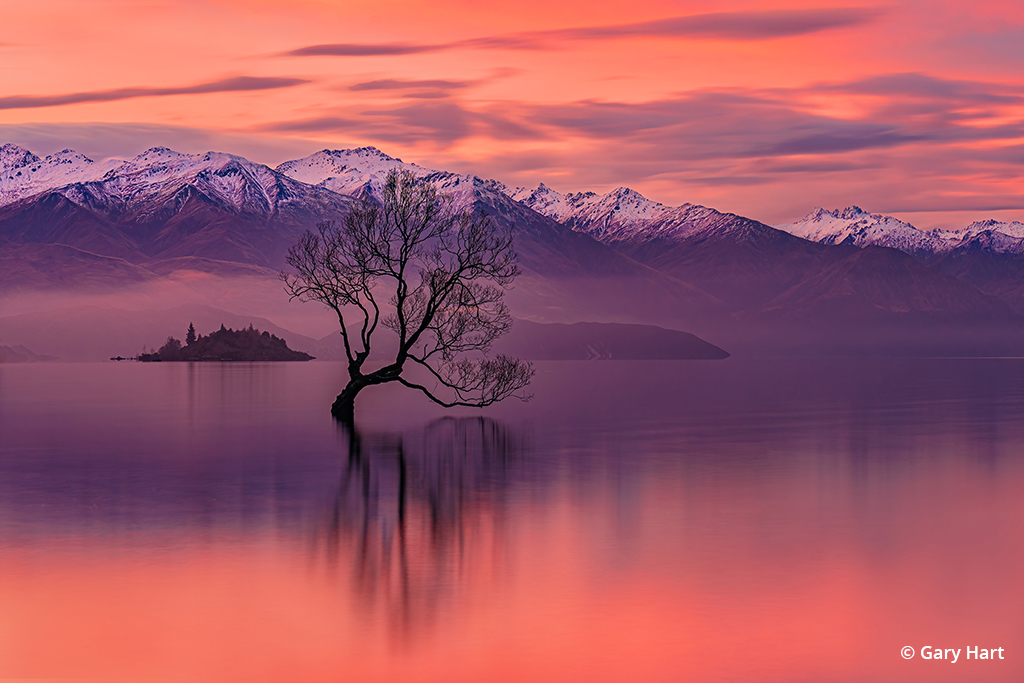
(19, 354)
(604, 341)
(227, 345)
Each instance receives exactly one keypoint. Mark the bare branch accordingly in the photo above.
(447, 270)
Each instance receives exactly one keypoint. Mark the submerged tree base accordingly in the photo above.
(344, 408)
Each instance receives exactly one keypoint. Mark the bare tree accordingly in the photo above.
(445, 271)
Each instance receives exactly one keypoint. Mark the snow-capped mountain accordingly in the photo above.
(166, 210)
(23, 174)
(748, 264)
(614, 216)
(159, 172)
(346, 171)
(992, 236)
(855, 226)
(1012, 228)
(545, 247)
(161, 204)
(738, 260)
(613, 256)
(861, 228)
(355, 171)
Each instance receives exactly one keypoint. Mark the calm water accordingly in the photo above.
(702, 521)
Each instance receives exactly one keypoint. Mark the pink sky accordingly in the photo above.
(765, 108)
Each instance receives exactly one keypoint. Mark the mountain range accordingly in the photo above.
(836, 280)
(988, 254)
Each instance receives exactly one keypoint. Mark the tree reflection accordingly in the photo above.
(418, 516)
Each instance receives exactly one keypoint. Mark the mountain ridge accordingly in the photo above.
(616, 257)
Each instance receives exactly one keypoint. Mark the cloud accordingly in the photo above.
(726, 125)
(236, 84)
(406, 84)
(320, 124)
(363, 50)
(732, 26)
(921, 86)
(740, 26)
(436, 122)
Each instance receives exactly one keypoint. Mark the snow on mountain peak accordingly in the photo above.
(354, 171)
(621, 205)
(851, 213)
(23, 174)
(1012, 228)
(15, 157)
(346, 171)
(544, 200)
(853, 225)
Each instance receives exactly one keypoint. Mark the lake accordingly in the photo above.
(637, 521)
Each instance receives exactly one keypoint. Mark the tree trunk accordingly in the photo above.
(344, 408)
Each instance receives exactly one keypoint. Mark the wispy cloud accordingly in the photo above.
(365, 50)
(708, 124)
(406, 84)
(906, 139)
(742, 26)
(921, 86)
(432, 122)
(733, 26)
(236, 84)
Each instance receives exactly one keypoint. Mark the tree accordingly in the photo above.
(170, 349)
(190, 335)
(445, 271)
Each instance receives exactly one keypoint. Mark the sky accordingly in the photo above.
(766, 108)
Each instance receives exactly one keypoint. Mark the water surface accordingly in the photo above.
(637, 521)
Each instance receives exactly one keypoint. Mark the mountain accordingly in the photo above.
(69, 222)
(740, 261)
(857, 227)
(611, 216)
(23, 174)
(566, 274)
(834, 294)
(161, 205)
(220, 213)
(876, 280)
(988, 254)
(19, 354)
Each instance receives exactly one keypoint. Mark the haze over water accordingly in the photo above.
(637, 521)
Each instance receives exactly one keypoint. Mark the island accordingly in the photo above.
(247, 344)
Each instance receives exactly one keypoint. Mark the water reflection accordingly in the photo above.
(660, 522)
(417, 512)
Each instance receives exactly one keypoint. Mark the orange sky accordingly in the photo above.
(766, 108)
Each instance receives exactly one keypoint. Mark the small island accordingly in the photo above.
(226, 345)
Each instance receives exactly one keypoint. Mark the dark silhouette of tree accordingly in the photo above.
(445, 270)
(171, 349)
(190, 336)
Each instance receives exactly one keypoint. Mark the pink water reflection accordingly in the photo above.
(470, 550)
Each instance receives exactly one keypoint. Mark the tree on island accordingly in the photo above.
(190, 335)
(445, 270)
(226, 344)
